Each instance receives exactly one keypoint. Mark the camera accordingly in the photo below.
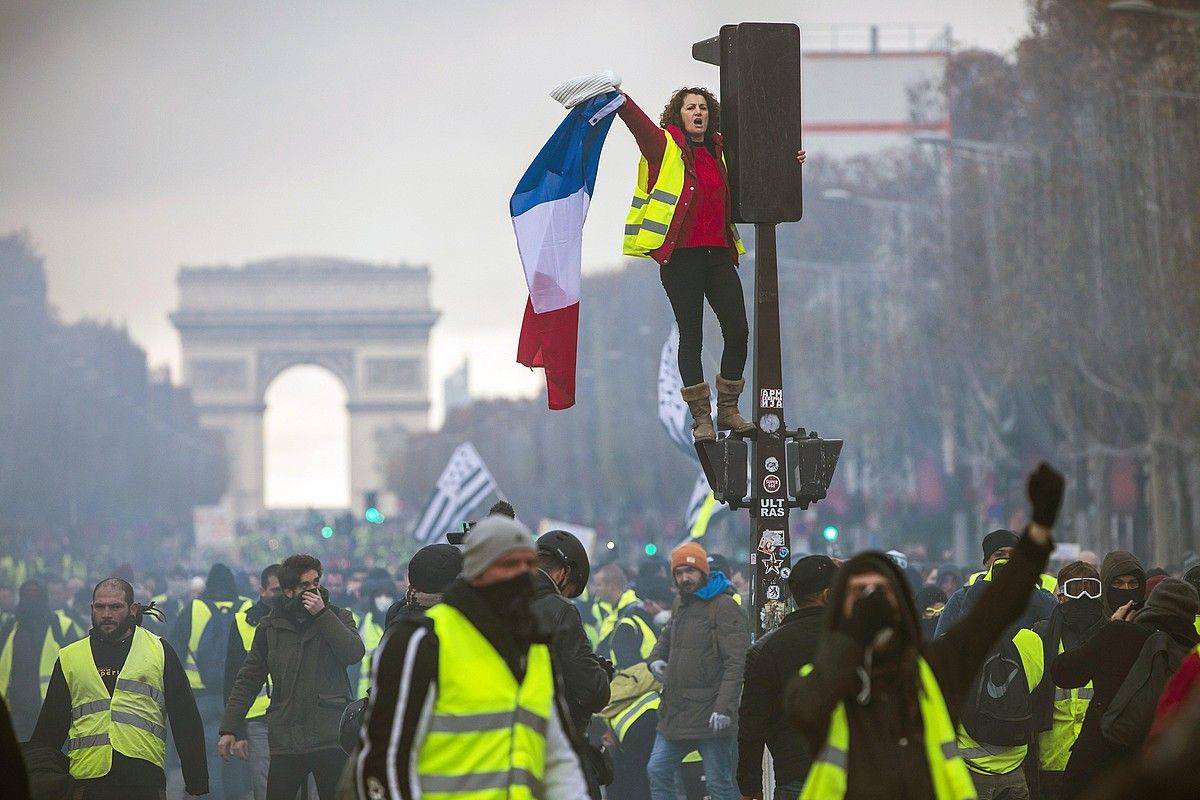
(456, 536)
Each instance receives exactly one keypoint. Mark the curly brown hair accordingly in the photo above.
(673, 112)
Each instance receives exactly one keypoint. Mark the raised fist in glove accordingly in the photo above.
(871, 614)
(719, 722)
(659, 670)
(1045, 488)
(573, 92)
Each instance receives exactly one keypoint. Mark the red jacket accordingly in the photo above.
(649, 138)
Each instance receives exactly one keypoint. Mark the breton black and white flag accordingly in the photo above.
(464, 484)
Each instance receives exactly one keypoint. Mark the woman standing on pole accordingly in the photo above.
(680, 216)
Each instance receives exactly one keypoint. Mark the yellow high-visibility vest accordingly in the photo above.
(372, 635)
(653, 208)
(131, 721)
(486, 738)
(607, 614)
(638, 624)
(1047, 582)
(989, 759)
(200, 619)
(263, 700)
(947, 772)
(67, 632)
(1070, 707)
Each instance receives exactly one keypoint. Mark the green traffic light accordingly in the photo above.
(327, 532)
(651, 549)
(373, 515)
(830, 533)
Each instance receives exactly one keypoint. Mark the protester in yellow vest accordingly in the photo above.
(879, 707)
(1059, 713)
(255, 747)
(614, 598)
(464, 703)
(997, 548)
(220, 597)
(379, 595)
(27, 654)
(631, 720)
(681, 217)
(110, 699)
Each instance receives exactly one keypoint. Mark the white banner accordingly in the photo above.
(672, 411)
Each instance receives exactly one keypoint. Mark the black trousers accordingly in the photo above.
(289, 772)
(692, 275)
(630, 781)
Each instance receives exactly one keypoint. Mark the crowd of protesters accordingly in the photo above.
(509, 667)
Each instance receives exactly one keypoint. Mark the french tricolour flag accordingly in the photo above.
(548, 209)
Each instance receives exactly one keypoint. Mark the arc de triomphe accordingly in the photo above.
(368, 324)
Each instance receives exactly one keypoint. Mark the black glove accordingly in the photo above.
(1045, 490)
(870, 614)
(607, 665)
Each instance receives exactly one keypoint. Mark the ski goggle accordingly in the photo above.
(1075, 588)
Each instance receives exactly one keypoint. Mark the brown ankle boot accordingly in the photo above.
(700, 402)
(728, 417)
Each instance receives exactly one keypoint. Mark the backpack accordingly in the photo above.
(214, 641)
(998, 709)
(1127, 721)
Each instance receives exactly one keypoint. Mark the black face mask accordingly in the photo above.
(510, 599)
(1115, 598)
(1081, 612)
(293, 607)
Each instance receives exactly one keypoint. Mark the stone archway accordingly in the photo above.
(368, 324)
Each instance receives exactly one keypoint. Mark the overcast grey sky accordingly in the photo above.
(138, 137)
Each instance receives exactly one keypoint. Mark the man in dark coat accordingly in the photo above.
(562, 574)
(699, 659)
(305, 646)
(771, 663)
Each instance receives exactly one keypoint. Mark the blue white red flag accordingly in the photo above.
(548, 209)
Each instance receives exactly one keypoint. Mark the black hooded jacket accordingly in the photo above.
(585, 681)
(887, 752)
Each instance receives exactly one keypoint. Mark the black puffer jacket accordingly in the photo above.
(585, 680)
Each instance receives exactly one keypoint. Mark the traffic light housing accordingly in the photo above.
(811, 463)
(724, 462)
(760, 117)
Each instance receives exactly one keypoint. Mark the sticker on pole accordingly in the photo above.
(772, 464)
(769, 541)
(771, 484)
(771, 398)
(772, 507)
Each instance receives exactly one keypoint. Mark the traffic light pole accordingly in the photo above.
(770, 540)
(760, 97)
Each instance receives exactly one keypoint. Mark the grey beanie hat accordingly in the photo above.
(1174, 597)
(493, 537)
